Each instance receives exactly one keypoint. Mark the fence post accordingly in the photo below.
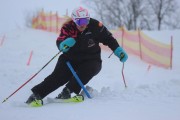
(57, 22)
(171, 52)
(50, 21)
(30, 57)
(149, 67)
(66, 12)
(140, 51)
(41, 20)
(2, 40)
(122, 38)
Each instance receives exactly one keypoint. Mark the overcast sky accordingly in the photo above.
(13, 12)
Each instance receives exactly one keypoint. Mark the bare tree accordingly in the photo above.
(133, 14)
(96, 6)
(172, 22)
(113, 12)
(137, 10)
(162, 10)
(116, 13)
(28, 20)
(28, 16)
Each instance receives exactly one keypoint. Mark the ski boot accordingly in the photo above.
(65, 94)
(34, 101)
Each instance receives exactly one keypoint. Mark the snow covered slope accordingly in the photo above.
(150, 95)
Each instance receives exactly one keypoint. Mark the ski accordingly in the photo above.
(77, 98)
(39, 103)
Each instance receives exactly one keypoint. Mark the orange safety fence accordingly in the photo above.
(155, 52)
(135, 42)
(148, 49)
(48, 21)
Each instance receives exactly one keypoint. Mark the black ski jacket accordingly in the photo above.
(87, 42)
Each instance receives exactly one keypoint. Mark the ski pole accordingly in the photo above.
(110, 54)
(30, 78)
(78, 79)
(122, 72)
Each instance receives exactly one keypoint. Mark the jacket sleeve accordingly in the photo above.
(64, 33)
(105, 36)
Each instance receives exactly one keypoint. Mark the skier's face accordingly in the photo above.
(81, 28)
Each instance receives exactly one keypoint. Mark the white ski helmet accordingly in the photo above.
(80, 16)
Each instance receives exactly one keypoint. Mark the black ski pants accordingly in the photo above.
(62, 75)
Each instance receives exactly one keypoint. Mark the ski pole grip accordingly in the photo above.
(122, 56)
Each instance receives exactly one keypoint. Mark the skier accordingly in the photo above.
(79, 41)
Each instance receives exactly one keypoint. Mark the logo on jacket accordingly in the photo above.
(91, 43)
(88, 33)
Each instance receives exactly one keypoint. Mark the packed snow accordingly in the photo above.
(152, 94)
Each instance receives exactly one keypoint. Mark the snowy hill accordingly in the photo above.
(150, 95)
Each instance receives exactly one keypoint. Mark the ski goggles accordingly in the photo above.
(82, 21)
